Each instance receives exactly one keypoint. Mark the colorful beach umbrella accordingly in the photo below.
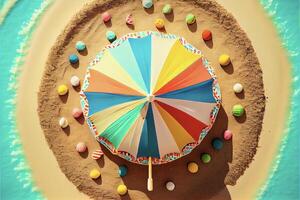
(150, 98)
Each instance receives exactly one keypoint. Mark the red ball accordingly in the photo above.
(206, 35)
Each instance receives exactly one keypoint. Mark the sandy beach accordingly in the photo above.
(262, 159)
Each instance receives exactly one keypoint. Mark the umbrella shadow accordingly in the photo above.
(207, 183)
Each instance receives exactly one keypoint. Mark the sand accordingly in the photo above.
(227, 174)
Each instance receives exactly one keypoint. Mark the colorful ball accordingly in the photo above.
(238, 110)
(111, 36)
(206, 35)
(238, 88)
(122, 170)
(73, 58)
(62, 89)
(76, 112)
(147, 3)
(81, 147)
(63, 122)
(122, 189)
(170, 186)
(190, 19)
(80, 46)
(227, 135)
(95, 173)
(75, 81)
(167, 9)
(217, 143)
(224, 60)
(205, 158)
(106, 17)
(193, 167)
(159, 23)
(129, 19)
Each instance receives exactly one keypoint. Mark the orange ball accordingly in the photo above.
(206, 35)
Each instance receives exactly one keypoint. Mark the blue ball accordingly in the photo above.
(217, 143)
(122, 170)
(111, 36)
(73, 58)
(80, 46)
(147, 3)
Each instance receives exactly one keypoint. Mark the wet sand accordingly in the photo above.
(63, 144)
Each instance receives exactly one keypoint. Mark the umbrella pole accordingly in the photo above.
(150, 180)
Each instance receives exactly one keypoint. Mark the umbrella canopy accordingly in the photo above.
(150, 95)
(150, 98)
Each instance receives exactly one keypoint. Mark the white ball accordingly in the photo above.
(75, 81)
(170, 186)
(237, 88)
(63, 122)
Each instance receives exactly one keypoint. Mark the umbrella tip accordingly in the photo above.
(150, 98)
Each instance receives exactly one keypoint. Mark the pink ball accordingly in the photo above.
(77, 112)
(227, 135)
(81, 147)
(106, 17)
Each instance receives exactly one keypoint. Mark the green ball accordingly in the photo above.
(238, 110)
(167, 9)
(206, 158)
(190, 19)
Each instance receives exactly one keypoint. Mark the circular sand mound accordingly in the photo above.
(226, 166)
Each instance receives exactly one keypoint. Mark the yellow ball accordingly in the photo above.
(62, 90)
(122, 189)
(193, 167)
(224, 59)
(159, 23)
(94, 173)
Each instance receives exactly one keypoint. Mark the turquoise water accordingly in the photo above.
(15, 31)
(16, 181)
(283, 182)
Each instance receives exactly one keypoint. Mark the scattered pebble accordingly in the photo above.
(81, 147)
(62, 89)
(167, 9)
(122, 170)
(75, 81)
(129, 19)
(238, 88)
(106, 17)
(227, 135)
(193, 167)
(95, 173)
(217, 143)
(73, 58)
(147, 3)
(190, 19)
(159, 23)
(224, 60)
(206, 35)
(238, 110)
(97, 154)
(63, 122)
(122, 189)
(170, 186)
(80, 46)
(76, 112)
(111, 36)
(205, 157)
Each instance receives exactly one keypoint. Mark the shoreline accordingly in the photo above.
(29, 147)
(38, 148)
(272, 103)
